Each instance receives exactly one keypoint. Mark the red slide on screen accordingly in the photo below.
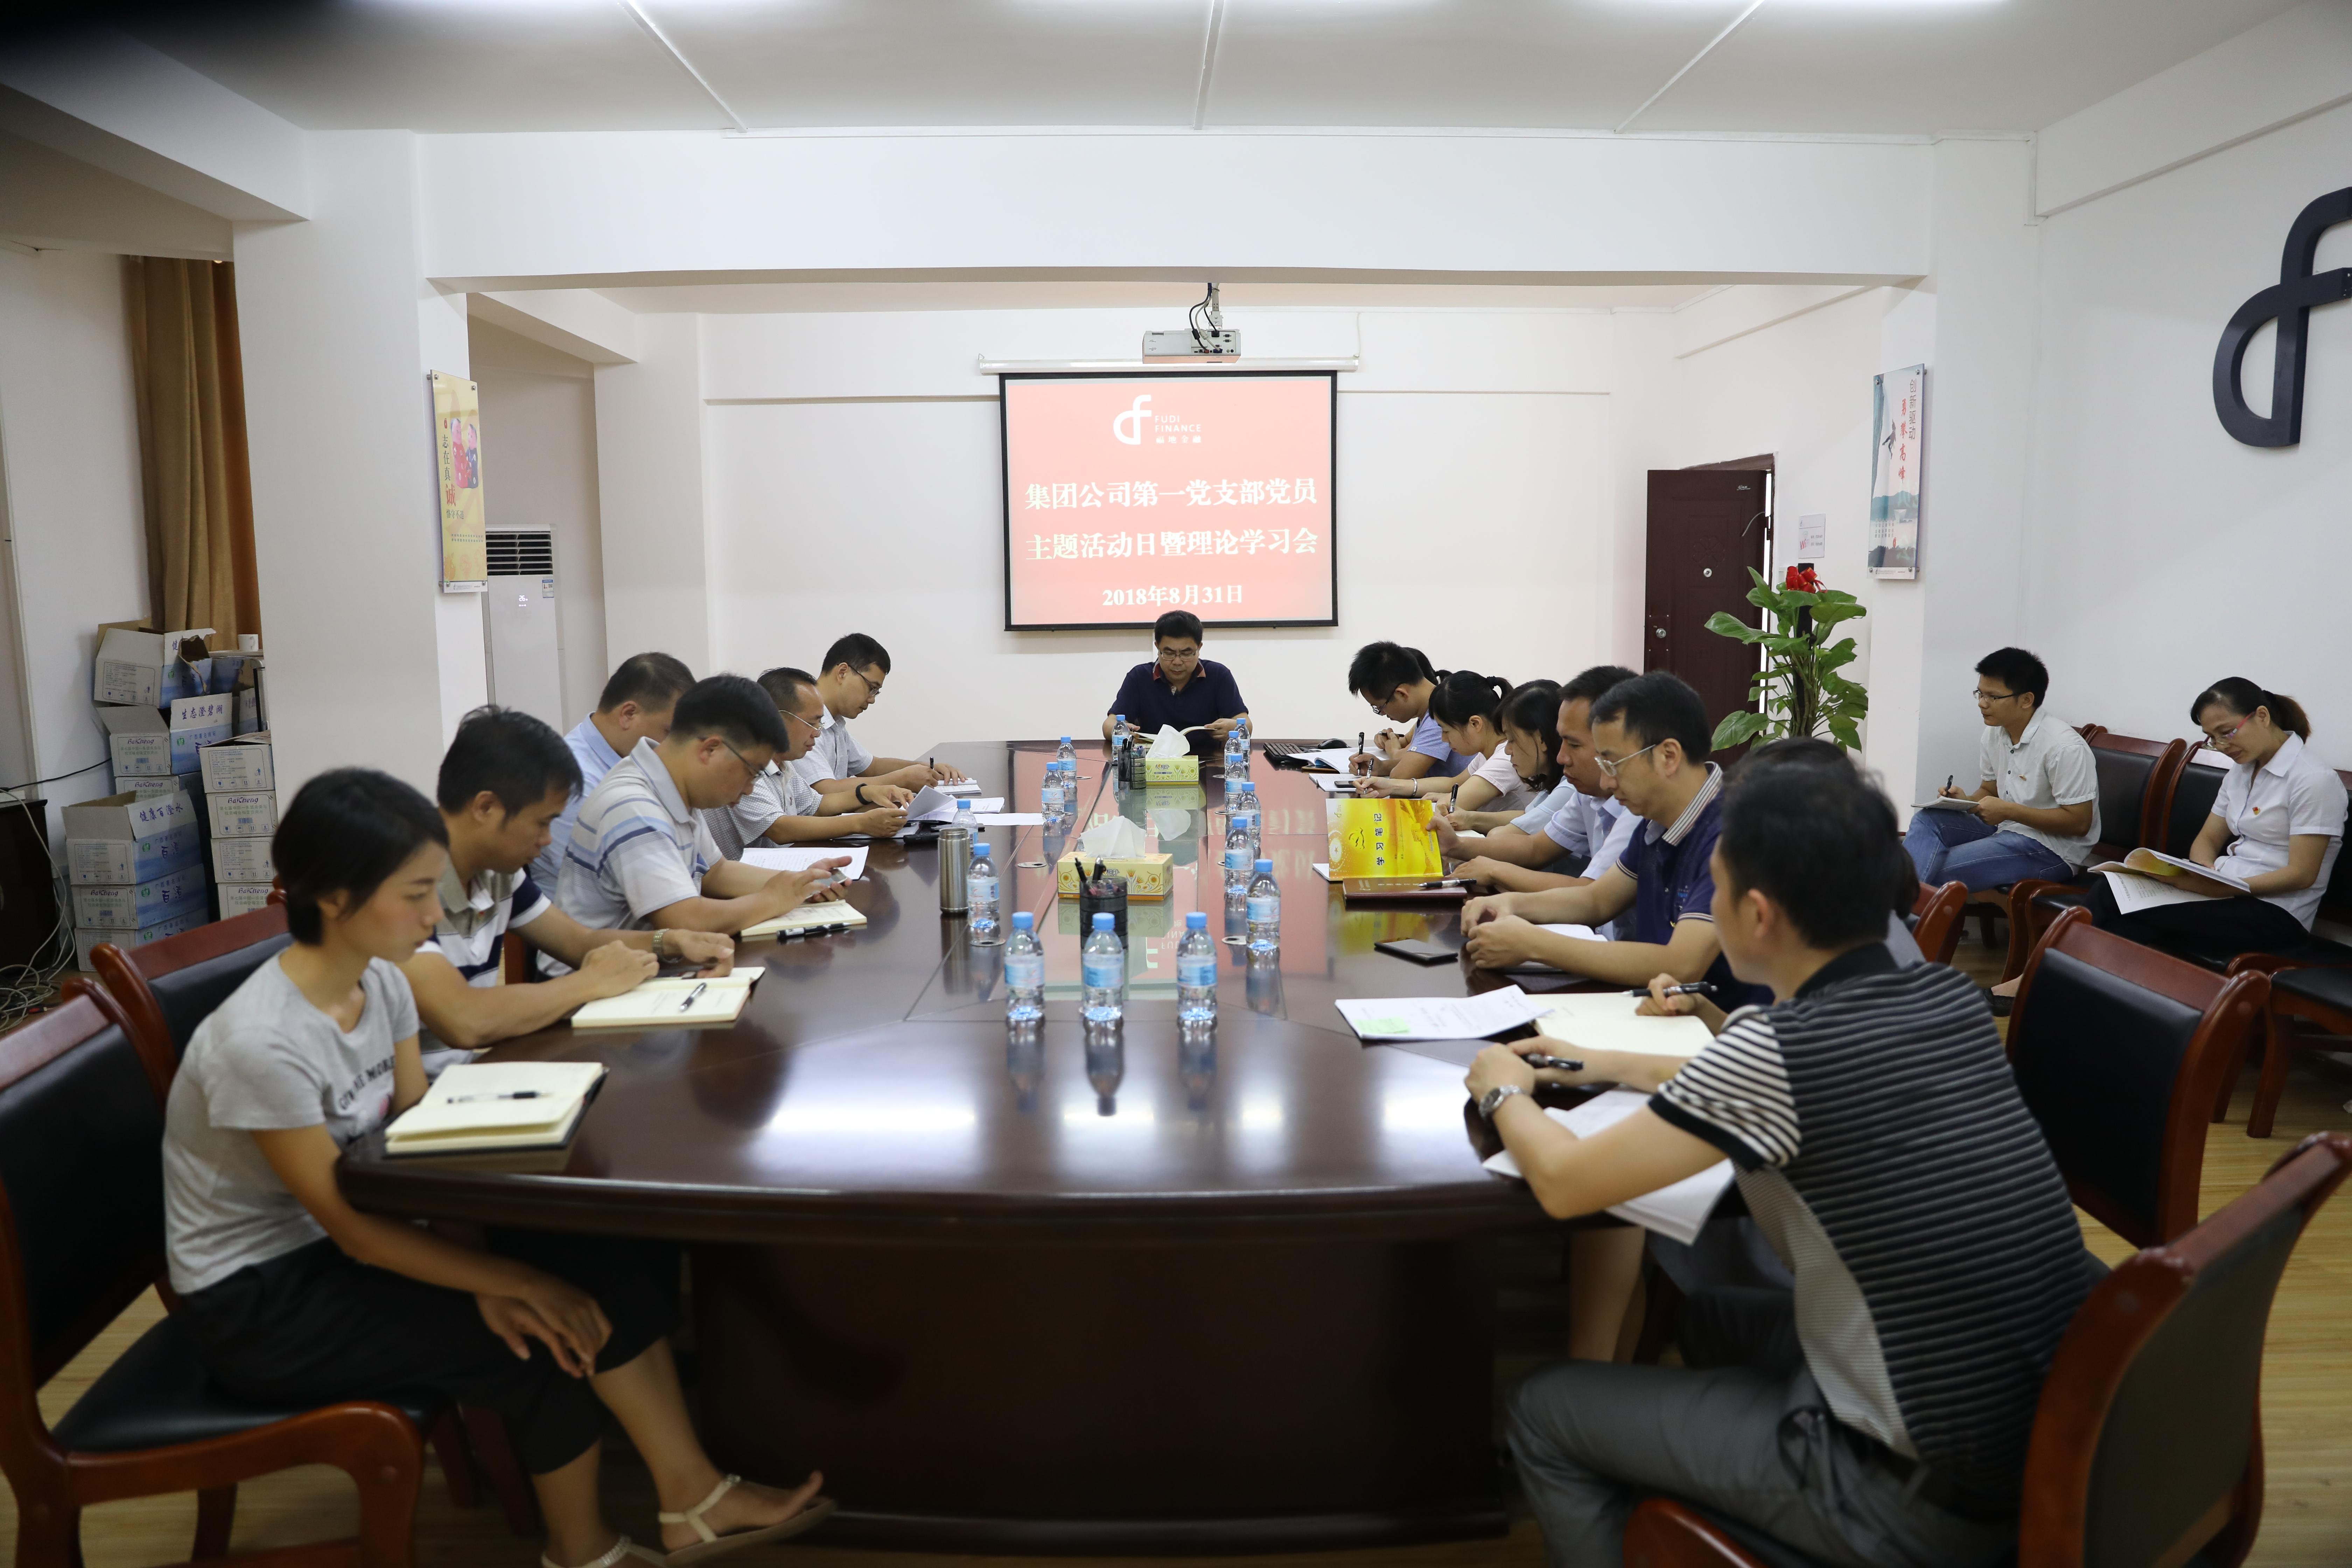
(1127, 496)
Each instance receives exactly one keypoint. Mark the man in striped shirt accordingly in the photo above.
(504, 779)
(640, 856)
(1880, 1412)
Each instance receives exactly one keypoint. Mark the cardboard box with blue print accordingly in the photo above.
(243, 860)
(243, 814)
(125, 839)
(84, 940)
(149, 743)
(141, 904)
(242, 897)
(239, 764)
(143, 668)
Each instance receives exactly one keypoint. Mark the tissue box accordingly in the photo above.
(146, 743)
(1172, 770)
(84, 940)
(1148, 876)
(142, 667)
(130, 838)
(243, 860)
(1175, 797)
(243, 814)
(238, 764)
(243, 897)
(144, 904)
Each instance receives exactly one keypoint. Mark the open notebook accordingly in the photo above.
(1605, 1021)
(477, 1106)
(1678, 1211)
(670, 1003)
(808, 917)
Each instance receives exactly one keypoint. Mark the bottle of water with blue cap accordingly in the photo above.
(1242, 808)
(1068, 754)
(1265, 912)
(1102, 969)
(1237, 755)
(1049, 794)
(1196, 971)
(1024, 973)
(1240, 857)
(984, 922)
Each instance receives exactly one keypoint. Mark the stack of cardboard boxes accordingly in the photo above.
(241, 805)
(137, 865)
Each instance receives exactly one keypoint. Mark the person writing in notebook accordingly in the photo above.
(1934, 1248)
(780, 807)
(1577, 831)
(1178, 690)
(1467, 707)
(504, 779)
(296, 1299)
(640, 856)
(1397, 681)
(2034, 811)
(855, 669)
(635, 703)
(1651, 734)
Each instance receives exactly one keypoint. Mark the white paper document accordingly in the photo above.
(1678, 1211)
(1323, 869)
(933, 804)
(782, 857)
(1329, 757)
(962, 786)
(1945, 803)
(1441, 1017)
(1606, 1021)
(1009, 818)
(1537, 966)
(2134, 893)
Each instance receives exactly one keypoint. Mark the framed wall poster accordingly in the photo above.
(457, 452)
(1898, 421)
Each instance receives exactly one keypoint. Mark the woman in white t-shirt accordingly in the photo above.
(1468, 709)
(2276, 825)
(298, 1300)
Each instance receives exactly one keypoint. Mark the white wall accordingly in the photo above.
(75, 519)
(2162, 554)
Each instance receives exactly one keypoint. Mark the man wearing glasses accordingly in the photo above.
(1178, 690)
(2034, 811)
(1651, 735)
(855, 669)
(641, 855)
(780, 807)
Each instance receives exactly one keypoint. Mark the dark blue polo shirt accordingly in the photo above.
(1674, 879)
(1211, 695)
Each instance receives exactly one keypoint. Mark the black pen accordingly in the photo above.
(1537, 1060)
(473, 1098)
(687, 1005)
(1696, 988)
(1447, 882)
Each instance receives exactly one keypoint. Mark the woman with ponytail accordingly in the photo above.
(2276, 826)
(1468, 710)
(1397, 681)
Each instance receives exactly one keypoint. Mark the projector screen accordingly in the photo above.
(1130, 494)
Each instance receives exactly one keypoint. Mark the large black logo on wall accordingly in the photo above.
(2288, 302)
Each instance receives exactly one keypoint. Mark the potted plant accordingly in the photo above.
(1799, 691)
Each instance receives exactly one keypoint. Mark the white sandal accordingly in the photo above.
(622, 1548)
(712, 1544)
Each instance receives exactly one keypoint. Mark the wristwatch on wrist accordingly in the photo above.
(861, 796)
(657, 944)
(1494, 1098)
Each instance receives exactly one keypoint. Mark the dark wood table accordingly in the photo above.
(1013, 1297)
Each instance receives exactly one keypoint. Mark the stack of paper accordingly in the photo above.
(1678, 1211)
(669, 1003)
(1537, 966)
(936, 803)
(1606, 1021)
(1441, 1017)
(480, 1106)
(808, 917)
(781, 858)
(962, 786)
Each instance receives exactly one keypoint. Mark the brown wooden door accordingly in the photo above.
(1708, 528)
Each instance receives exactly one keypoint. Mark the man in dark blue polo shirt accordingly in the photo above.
(1651, 734)
(1180, 688)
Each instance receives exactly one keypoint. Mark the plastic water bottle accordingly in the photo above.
(1240, 856)
(1024, 972)
(1265, 912)
(1102, 966)
(964, 819)
(1118, 746)
(986, 926)
(1068, 754)
(1196, 971)
(1242, 808)
(1237, 758)
(1049, 794)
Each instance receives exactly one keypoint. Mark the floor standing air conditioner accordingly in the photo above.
(521, 626)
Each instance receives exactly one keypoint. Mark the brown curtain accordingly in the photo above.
(199, 490)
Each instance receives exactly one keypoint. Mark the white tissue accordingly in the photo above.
(1113, 838)
(1170, 743)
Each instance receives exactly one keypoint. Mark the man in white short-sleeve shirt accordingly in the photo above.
(780, 807)
(641, 857)
(855, 669)
(2035, 810)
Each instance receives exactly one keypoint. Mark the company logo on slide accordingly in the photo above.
(1128, 426)
(1167, 429)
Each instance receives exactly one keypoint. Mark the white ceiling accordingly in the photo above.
(1046, 294)
(1880, 66)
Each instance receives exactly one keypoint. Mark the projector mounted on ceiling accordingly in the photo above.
(1206, 340)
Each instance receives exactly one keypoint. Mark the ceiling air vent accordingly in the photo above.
(522, 552)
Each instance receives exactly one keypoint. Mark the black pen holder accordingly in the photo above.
(1104, 891)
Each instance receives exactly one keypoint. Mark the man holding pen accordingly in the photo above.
(2035, 812)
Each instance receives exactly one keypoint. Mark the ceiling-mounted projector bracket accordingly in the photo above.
(1207, 337)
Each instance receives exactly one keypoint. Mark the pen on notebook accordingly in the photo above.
(1446, 882)
(1948, 782)
(687, 1005)
(1696, 988)
(471, 1099)
(1537, 1060)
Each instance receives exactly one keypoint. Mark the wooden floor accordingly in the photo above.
(2306, 1412)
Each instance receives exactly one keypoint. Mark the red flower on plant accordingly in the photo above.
(1803, 580)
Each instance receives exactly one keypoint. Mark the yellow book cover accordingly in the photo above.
(1381, 839)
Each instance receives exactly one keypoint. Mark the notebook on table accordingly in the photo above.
(807, 918)
(489, 1107)
(672, 1002)
(1405, 889)
(1607, 1021)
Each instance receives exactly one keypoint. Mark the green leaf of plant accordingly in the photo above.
(1736, 728)
(1846, 733)
(1724, 624)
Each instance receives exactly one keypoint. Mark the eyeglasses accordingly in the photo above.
(739, 756)
(873, 687)
(1986, 699)
(1381, 705)
(811, 729)
(2212, 743)
(1610, 768)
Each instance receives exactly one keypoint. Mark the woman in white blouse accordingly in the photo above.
(1467, 708)
(2276, 826)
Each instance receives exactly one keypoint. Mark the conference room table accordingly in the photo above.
(1014, 1294)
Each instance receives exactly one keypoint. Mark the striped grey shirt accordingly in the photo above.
(1882, 1149)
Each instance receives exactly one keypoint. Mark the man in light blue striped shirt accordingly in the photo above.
(635, 703)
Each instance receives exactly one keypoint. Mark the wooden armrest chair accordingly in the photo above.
(1936, 917)
(2148, 1444)
(167, 988)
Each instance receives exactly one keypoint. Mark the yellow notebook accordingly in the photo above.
(480, 1106)
(808, 917)
(671, 1003)
(1606, 1022)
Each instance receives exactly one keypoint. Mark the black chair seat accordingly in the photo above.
(2330, 987)
(2310, 951)
(156, 1395)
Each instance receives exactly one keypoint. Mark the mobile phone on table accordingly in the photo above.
(1418, 952)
